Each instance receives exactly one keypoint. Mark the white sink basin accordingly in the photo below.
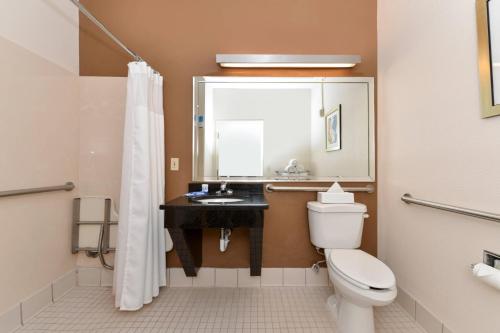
(218, 200)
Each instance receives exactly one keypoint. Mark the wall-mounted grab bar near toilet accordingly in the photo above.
(272, 188)
(449, 208)
(66, 187)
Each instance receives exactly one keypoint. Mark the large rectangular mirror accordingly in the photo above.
(488, 28)
(283, 129)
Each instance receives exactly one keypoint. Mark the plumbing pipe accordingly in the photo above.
(318, 249)
(224, 239)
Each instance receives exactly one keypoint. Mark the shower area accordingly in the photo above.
(116, 217)
(66, 152)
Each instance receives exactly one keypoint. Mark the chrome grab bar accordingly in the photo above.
(66, 187)
(449, 208)
(272, 188)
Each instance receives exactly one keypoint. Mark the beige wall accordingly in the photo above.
(433, 144)
(102, 113)
(38, 143)
(48, 28)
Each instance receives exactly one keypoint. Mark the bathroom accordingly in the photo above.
(420, 73)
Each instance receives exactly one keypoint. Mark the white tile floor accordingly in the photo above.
(270, 309)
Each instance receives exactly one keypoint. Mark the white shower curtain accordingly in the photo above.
(140, 255)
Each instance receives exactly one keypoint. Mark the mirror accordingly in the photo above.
(288, 129)
(488, 27)
(231, 135)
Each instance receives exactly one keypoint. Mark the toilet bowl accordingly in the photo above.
(361, 281)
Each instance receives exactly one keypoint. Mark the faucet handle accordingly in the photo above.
(224, 189)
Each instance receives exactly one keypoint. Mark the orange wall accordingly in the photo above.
(180, 39)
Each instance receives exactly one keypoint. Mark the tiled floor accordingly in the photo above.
(273, 309)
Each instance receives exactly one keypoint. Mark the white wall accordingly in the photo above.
(38, 142)
(48, 28)
(286, 114)
(433, 144)
(102, 114)
(353, 159)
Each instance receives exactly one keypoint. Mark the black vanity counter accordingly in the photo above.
(249, 201)
(185, 219)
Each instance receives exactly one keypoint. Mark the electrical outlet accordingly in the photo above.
(174, 164)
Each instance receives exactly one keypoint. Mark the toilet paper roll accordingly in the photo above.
(487, 274)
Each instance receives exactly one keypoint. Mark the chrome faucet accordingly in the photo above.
(224, 190)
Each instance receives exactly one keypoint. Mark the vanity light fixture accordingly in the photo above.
(287, 61)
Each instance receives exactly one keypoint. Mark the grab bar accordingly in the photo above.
(449, 208)
(272, 188)
(66, 187)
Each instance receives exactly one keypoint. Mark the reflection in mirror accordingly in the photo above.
(283, 128)
(494, 24)
(239, 147)
(488, 36)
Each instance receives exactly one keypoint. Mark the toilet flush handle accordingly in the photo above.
(366, 215)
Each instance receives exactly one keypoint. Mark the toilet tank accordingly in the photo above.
(336, 226)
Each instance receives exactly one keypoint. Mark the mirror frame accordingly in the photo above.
(488, 109)
(370, 81)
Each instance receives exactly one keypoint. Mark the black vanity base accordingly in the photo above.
(186, 218)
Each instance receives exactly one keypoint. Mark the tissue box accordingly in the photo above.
(336, 198)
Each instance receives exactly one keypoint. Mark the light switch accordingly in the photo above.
(174, 164)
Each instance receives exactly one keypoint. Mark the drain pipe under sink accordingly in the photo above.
(224, 239)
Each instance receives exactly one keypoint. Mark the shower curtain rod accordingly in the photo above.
(101, 26)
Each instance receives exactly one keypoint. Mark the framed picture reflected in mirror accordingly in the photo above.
(333, 128)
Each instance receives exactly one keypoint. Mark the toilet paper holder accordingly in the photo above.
(488, 271)
(490, 259)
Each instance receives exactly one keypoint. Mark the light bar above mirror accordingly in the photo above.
(286, 61)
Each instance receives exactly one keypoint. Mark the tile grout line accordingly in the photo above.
(189, 311)
(21, 314)
(414, 315)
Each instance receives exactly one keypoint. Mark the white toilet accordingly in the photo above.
(361, 281)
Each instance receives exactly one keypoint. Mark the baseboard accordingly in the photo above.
(94, 277)
(420, 313)
(219, 277)
(19, 314)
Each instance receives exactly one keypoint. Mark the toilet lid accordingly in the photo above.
(362, 268)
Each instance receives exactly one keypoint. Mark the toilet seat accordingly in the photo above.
(361, 269)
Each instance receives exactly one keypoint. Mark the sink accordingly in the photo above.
(187, 218)
(218, 200)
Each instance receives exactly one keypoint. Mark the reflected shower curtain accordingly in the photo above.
(140, 255)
